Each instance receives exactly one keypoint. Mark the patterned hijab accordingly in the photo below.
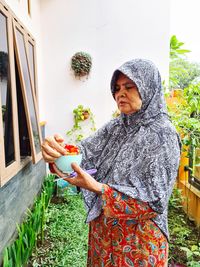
(147, 78)
(136, 154)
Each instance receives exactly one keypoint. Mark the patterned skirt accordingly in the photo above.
(120, 241)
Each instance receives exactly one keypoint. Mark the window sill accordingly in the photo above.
(25, 161)
(43, 123)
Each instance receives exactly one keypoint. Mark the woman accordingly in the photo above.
(137, 158)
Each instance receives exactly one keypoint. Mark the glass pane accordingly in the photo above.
(31, 60)
(24, 62)
(24, 140)
(5, 91)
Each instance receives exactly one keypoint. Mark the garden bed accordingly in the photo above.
(184, 247)
(66, 235)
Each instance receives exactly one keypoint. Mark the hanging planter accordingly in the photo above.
(77, 133)
(81, 64)
(81, 114)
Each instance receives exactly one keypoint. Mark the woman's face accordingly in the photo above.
(126, 95)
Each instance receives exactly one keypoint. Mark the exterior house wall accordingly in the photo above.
(15, 197)
(112, 32)
(18, 194)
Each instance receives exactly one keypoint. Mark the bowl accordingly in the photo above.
(64, 162)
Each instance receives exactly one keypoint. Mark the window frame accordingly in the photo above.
(35, 156)
(6, 173)
(34, 82)
(29, 7)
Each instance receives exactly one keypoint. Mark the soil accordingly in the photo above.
(58, 200)
(178, 257)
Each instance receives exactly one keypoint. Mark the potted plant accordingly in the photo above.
(81, 64)
(81, 114)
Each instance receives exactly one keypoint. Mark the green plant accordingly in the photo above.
(18, 253)
(176, 199)
(176, 50)
(182, 73)
(186, 116)
(183, 232)
(192, 254)
(81, 114)
(81, 64)
(66, 234)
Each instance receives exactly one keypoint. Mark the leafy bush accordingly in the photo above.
(182, 73)
(186, 115)
(18, 253)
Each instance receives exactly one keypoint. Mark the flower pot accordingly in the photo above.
(86, 115)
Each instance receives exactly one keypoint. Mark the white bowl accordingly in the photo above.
(64, 162)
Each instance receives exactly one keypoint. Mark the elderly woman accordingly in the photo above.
(137, 157)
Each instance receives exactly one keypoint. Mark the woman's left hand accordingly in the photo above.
(83, 179)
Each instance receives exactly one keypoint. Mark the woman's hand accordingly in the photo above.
(83, 179)
(52, 148)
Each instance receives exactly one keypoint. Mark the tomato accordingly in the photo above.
(71, 149)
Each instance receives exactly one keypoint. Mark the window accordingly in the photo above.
(19, 123)
(6, 94)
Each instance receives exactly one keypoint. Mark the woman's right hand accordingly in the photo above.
(53, 148)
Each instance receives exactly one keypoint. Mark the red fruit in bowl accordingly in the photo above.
(71, 149)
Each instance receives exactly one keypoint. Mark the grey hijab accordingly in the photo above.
(136, 154)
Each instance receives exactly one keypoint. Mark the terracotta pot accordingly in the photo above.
(86, 115)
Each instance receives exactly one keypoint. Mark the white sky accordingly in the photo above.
(185, 24)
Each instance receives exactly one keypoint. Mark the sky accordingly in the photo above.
(185, 24)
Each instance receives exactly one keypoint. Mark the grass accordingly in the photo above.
(66, 235)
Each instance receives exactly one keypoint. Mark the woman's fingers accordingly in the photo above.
(51, 151)
(77, 169)
(59, 138)
(58, 172)
(52, 148)
(50, 143)
(47, 157)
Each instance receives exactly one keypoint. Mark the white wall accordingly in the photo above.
(184, 23)
(112, 32)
